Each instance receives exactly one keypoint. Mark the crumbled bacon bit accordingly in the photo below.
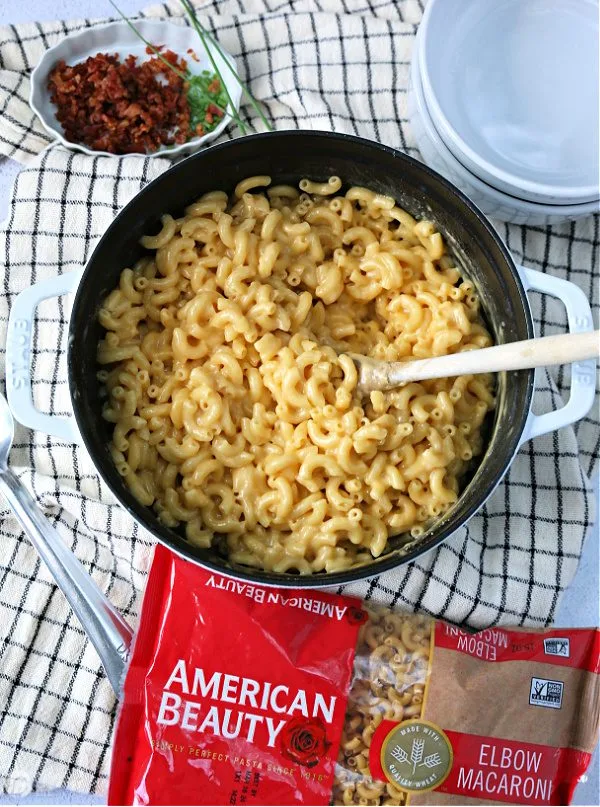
(120, 106)
(214, 86)
(200, 129)
(154, 48)
(213, 109)
(208, 117)
(191, 52)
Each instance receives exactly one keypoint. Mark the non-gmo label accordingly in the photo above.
(557, 647)
(544, 692)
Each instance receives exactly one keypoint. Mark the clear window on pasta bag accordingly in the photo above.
(241, 694)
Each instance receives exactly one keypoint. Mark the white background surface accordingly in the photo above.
(581, 604)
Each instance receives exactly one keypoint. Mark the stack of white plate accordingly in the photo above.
(504, 101)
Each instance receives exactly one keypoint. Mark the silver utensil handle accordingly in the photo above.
(103, 624)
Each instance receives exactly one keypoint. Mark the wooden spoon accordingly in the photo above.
(562, 349)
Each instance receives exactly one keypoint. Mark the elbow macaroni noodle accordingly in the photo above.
(232, 394)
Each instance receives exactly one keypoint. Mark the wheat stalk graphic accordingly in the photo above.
(400, 754)
(431, 761)
(416, 753)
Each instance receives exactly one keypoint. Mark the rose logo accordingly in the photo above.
(356, 616)
(304, 741)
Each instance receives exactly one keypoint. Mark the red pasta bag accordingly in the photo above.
(241, 694)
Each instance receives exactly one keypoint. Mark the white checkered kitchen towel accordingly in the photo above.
(323, 64)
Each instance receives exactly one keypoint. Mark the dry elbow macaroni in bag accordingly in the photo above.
(241, 694)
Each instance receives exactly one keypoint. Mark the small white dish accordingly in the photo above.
(512, 88)
(492, 202)
(117, 37)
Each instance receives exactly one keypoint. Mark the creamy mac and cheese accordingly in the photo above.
(232, 393)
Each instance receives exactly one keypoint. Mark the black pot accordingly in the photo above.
(288, 156)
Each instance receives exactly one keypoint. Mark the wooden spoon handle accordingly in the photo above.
(544, 352)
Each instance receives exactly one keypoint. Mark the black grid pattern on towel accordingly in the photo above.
(321, 64)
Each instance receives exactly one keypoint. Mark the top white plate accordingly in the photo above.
(117, 37)
(512, 86)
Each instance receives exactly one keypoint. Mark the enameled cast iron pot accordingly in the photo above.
(287, 157)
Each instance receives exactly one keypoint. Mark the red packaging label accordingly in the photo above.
(500, 770)
(250, 714)
(514, 772)
(572, 647)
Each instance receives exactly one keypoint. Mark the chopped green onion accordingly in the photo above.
(200, 99)
(204, 33)
(192, 15)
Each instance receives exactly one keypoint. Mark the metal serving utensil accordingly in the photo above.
(524, 355)
(103, 624)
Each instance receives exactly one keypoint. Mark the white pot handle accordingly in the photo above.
(18, 358)
(583, 373)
